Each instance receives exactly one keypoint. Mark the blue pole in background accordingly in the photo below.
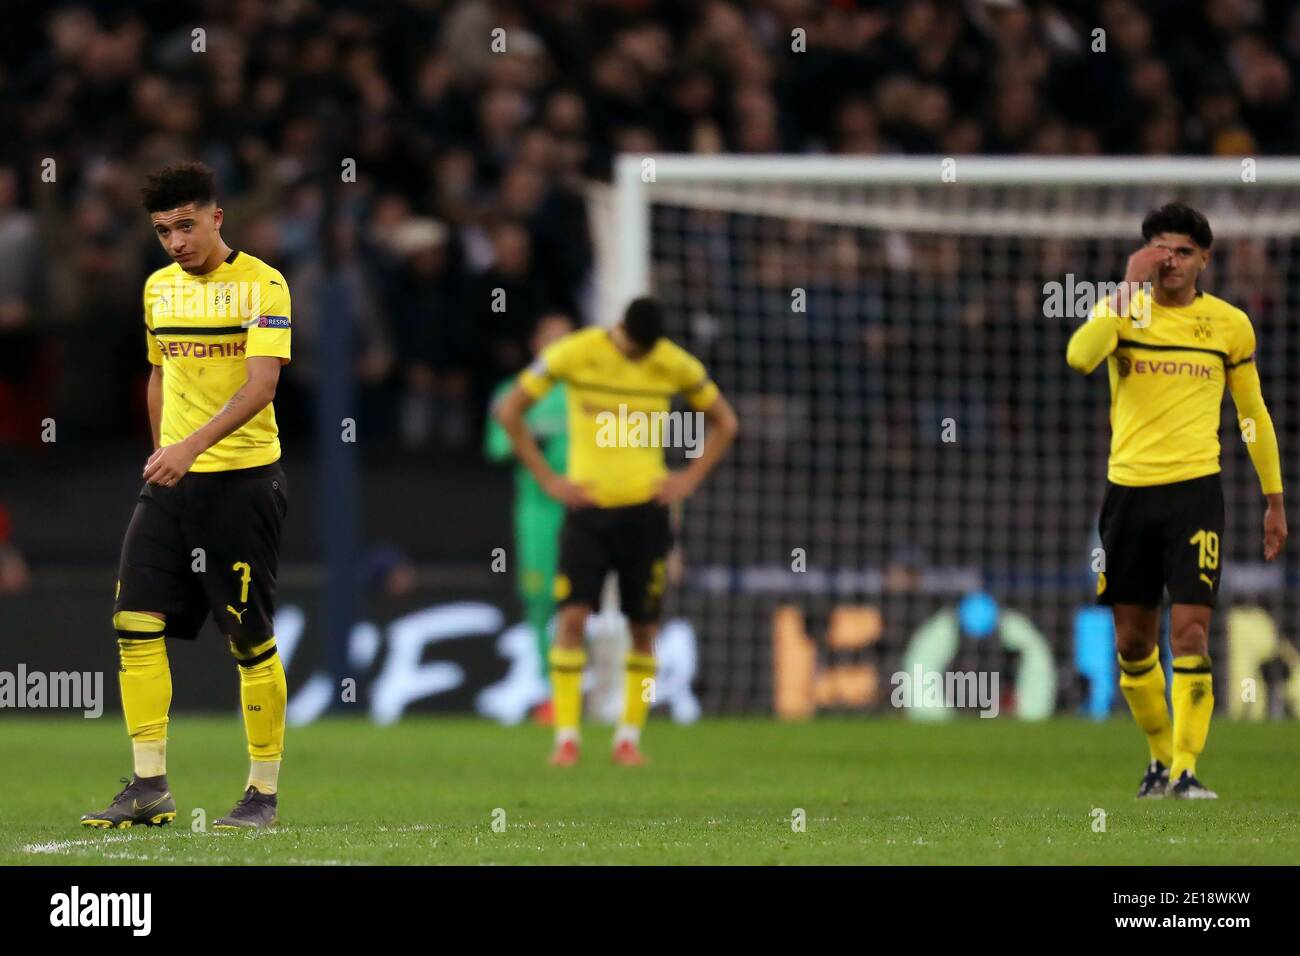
(338, 482)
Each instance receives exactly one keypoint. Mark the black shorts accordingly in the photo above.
(1162, 536)
(209, 544)
(632, 541)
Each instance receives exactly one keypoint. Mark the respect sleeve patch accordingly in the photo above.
(272, 322)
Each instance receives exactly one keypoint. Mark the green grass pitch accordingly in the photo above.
(873, 791)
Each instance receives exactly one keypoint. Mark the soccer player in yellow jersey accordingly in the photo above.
(617, 491)
(205, 535)
(1169, 355)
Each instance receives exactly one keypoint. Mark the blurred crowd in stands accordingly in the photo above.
(476, 127)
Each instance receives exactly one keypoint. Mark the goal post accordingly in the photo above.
(892, 332)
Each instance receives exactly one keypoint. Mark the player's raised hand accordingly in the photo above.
(168, 464)
(677, 486)
(1274, 530)
(1142, 265)
(569, 493)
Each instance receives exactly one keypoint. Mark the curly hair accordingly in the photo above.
(178, 184)
(1178, 217)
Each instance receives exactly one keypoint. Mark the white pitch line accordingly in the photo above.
(66, 846)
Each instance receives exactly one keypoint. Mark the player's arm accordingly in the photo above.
(154, 401)
(510, 413)
(721, 429)
(1261, 442)
(549, 368)
(1093, 341)
(169, 463)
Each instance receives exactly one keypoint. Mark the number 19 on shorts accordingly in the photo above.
(1207, 543)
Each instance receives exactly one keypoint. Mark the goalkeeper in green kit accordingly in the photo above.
(538, 516)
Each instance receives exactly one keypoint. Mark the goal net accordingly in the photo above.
(919, 472)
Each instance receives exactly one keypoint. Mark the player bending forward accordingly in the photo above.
(1162, 516)
(617, 491)
(205, 535)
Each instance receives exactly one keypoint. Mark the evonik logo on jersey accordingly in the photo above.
(185, 348)
(1128, 366)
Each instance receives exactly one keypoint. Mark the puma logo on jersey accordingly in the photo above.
(239, 615)
(1207, 579)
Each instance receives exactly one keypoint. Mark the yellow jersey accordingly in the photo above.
(200, 330)
(1167, 373)
(616, 407)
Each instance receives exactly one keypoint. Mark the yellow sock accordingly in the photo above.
(638, 691)
(1193, 699)
(1143, 684)
(145, 679)
(566, 687)
(264, 695)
